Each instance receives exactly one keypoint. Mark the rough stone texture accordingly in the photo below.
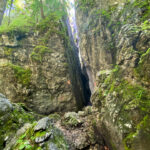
(5, 105)
(114, 44)
(106, 28)
(12, 118)
(78, 130)
(52, 146)
(45, 139)
(43, 84)
(43, 124)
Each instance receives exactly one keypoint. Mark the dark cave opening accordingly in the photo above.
(87, 91)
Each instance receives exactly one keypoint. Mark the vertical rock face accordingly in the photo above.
(115, 47)
(79, 81)
(41, 69)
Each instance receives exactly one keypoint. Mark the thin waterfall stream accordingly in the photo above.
(74, 36)
(73, 24)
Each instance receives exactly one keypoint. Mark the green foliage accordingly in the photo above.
(40, 134)
(25, 19)
(145, 25)
(39, 51)
(20, 24)
(27, 140)
(142, 27)
(22, 75)
(51, 23)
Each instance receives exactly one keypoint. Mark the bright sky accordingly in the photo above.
(20, 3)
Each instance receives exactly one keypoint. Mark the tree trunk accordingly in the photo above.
(42, 11)
(10, 11)
(2, 9)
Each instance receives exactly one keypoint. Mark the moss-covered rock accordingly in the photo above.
(11, 121)
(39, 52)
(41, 139)
(71, 119)
(124, 109)
(143, 69)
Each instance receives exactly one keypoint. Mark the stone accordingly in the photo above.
(43, 124)
(46, 88)
(5, 105)
(43, 138)
(9, 42)
(52, 146)
(14, 139)
(72, 119)
(112, 48)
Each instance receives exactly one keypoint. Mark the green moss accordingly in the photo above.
(27, 140)
(134, 139)
(40, 133)
(55, 116)
(22, 75)
(145, 6)
(8, 51)
(142, 71)
(144, 55)
(72, 122)
(12, 121)
(59, 140)
(39, 52)
(129, 99)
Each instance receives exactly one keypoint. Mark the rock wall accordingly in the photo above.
(36, 68)
(114, 45)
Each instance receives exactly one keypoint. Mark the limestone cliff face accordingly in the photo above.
(35, 74)
(114, 45)
(35, 70)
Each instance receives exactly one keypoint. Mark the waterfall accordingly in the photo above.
(74, 29)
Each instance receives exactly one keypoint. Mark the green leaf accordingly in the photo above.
(21, 147)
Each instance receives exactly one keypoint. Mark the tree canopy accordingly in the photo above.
(28, 13)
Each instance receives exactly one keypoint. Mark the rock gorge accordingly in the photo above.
(58, 101)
